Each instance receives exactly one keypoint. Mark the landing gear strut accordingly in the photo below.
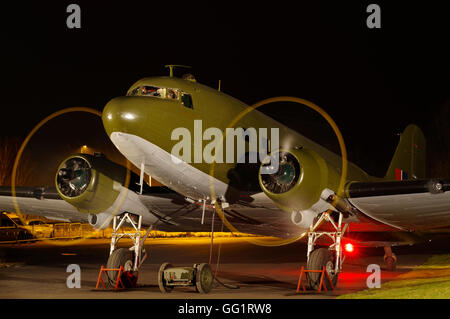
(331, 257)
(130, 258)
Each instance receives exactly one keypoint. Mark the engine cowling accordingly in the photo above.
(90, 183)
(301, 177)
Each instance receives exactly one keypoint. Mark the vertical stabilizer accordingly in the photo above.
(409, 157)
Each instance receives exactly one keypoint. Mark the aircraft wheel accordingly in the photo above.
(121, 257)
(317, 259)
(203, 279)
(390, 263)
(161, 281)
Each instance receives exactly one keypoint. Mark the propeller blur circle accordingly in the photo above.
(286, 171)
(77, 177)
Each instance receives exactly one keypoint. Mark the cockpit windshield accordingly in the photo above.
(148, 90)
(163, 93)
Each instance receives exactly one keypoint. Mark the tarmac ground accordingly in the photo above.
(39, 270)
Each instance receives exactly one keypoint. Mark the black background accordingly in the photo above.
(373, 82)
(279, 307)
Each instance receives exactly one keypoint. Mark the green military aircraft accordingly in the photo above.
(280, 184)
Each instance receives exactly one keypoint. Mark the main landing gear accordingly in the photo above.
(130, 258)
(331, 257)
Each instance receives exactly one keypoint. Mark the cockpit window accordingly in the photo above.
(163, 93)
(134, 92)
(148, 90)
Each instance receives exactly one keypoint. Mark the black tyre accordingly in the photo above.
(203, 278)
(390, 263)
(121, 257)
(317, 259)
(161, 281)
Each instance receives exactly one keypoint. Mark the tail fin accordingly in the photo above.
(409, 157)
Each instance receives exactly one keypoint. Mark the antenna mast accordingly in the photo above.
(172, 66)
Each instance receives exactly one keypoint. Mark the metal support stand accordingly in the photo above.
(135, 236)
(203, 211)
(212, 238)
(335, 236)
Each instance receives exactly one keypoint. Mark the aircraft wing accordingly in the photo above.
(40, 201)
(46, 202)
(172, 211)
(411, 205)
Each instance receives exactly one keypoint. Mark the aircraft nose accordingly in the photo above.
(120, 115)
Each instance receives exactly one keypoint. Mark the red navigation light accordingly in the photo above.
(349, 248)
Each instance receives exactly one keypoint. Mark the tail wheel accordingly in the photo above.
(122, 257)
(317, 259)
(161, 281)
(390, 263)
(203, 279)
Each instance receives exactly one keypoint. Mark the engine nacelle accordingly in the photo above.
(90, 183)
(298, 183)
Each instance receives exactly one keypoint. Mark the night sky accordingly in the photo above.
(373, 82)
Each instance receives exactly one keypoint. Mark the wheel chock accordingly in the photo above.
(118, 279)
(323, 273)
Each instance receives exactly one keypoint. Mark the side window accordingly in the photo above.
(186, 99)
(172, 94)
